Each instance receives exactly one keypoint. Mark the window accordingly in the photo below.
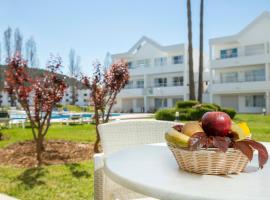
(255, 75)
(140, 84)
(229, 77)
(85, 100)
(160, 61)
(228, 53)
(130, 65)
(255, 101)
(175, 100)
(177, 59)
(129, 85)
(256, 49)
(178, 81)
(143, 63)
(67, 100)
(85, 94)
(160, 82)
(67, 95)
(161, 103)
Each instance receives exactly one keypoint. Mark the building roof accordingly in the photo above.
(145, 39)
(234, 38)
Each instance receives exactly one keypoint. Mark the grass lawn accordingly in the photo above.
(70, 181)
(75, 181)
(259, 125)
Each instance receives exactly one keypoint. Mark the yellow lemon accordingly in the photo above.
(245, 128)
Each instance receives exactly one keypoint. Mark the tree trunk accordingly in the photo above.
(190, 54)
(200, 87)
(73, 92)
(39, 149)
(97, 142)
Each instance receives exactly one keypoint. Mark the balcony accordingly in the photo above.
(156, 69)
(239, 87)
(242, 55)
(240, 60)
(131, 92)
(165, 91)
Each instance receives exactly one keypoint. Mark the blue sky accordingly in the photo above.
(94, 27)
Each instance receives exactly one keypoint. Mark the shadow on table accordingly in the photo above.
(32, 177)
(76, 171)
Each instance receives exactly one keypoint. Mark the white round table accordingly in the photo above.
(152, 170)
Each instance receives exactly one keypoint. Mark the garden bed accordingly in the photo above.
(23, 154)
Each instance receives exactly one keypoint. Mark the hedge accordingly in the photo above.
(191, 110)
(166, 114)
(186, 104)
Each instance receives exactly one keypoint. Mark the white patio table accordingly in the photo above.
(153, 171)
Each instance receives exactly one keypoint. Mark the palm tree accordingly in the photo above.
(200, 87)
(190, 54)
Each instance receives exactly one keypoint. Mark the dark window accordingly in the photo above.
(177, 59)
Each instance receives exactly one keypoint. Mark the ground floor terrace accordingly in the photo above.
(255, 102)
(146, 103)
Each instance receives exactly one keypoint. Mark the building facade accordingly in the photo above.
(82, 98)
(239, 67)
(158, 76)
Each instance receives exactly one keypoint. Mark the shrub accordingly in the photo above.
(186, 104)
(210, 106)
(230, 111)
(196, 114)
(166, 114)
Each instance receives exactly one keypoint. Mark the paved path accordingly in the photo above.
(5, 197)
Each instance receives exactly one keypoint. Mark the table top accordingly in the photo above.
(153, 171)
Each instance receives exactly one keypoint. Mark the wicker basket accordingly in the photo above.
(210, 161)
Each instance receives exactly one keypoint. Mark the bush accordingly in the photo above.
(230, 111)
(186, 104)
(210, 106)
(166, 114)
(196, 114)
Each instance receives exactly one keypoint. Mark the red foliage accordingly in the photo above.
(104, 85)
(40, 93)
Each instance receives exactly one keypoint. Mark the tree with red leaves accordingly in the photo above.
(37, 96)
(104, 85)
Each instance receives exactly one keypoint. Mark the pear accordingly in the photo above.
(237, 132)
(191, 128)
(177, 138)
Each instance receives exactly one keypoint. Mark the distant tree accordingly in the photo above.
(7, 43)
(31, 52)
(74, 71)
(0, 54)
(200, 81)
(104, 85)
(190, 54)
(18, 41)
(42, 93)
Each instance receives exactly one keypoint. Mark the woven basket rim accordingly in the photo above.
(231, 149)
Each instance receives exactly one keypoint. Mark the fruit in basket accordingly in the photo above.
(216, 123)
(190, 128)
(177, 138)
(245, 129)
(237, 132)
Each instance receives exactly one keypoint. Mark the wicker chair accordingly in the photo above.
(116, 136)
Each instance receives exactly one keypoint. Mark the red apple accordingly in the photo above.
(216, 123)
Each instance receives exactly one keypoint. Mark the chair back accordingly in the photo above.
(121, 134)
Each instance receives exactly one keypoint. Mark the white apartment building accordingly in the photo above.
(158, 76)
(239, 66)
(82, 98)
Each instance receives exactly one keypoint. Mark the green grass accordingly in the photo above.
(259, 125)
(81, 133)
(70, 181)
